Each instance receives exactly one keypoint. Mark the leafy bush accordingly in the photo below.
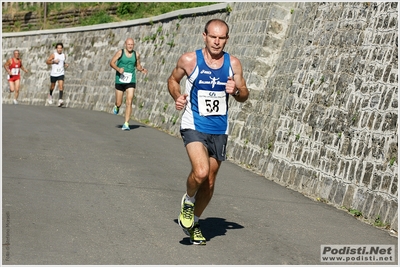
(126, 8)
(97, 18)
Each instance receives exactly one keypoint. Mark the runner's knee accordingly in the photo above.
(200, 174)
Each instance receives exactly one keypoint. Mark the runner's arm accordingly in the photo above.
(65, 62)
(174, 80)
(7, 66)
(186, 64)
(138, 65)
(114, 60)
(240, 83)
(50, 59)
(22, 67)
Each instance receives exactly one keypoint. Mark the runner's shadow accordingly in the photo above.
(132, 127)
(212, 227)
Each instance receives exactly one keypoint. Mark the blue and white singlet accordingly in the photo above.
(207, 102)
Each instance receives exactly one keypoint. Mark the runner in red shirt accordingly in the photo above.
(13, 67)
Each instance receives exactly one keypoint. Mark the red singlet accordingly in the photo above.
(15, 71)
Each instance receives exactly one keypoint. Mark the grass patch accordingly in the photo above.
(124, 10)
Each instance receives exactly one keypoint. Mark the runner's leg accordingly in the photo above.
(118, 97)
(16, 88)
(60, 88)
(12, 86)
(206, 189)
(200, 161)
(128, 103)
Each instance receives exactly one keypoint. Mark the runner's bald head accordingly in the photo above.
(129, 40)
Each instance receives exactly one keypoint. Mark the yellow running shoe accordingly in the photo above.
(186, 217)
(196, 237)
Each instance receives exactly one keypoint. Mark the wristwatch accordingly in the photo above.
(236, 93)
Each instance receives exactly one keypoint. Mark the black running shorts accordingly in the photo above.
(215, 143)
(123, 86)
(58, 78)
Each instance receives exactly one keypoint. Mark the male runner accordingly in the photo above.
(57, 60)
(212, 76)
(125, 62)
(13, 67)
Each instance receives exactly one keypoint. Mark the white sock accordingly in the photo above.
(196, 219)
(191, 199)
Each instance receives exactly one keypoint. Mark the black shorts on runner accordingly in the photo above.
(215, 143)
(58, 78)
(123, 86)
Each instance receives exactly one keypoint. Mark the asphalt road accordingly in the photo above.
(78, 190)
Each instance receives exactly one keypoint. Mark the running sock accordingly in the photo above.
(61, 94)
(51, 92)
(191, 199)
(196, 219)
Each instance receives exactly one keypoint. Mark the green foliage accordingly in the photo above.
(136, 10)
(269, 146)
(97, 18)
(127, 8)
(174, 119)
(379, 223)
(125, 11)
(171, 44)
(354, 118)
(356, 213)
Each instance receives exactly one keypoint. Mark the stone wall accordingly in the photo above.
(323, 80)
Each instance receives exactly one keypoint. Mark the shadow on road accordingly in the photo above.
(212, 227)
(132, 127)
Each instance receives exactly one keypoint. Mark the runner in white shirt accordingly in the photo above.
(57, 60)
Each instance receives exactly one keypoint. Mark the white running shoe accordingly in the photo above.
(50, 100)
(60, 102)
(15, 102)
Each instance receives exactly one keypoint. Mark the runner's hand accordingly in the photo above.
(181, 101)
(230, 87)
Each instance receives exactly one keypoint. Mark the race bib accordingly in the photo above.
(58, 70)
(14, 71)
(125, 77)
(211, 102)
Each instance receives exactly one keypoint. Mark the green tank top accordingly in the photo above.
(129, 65)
